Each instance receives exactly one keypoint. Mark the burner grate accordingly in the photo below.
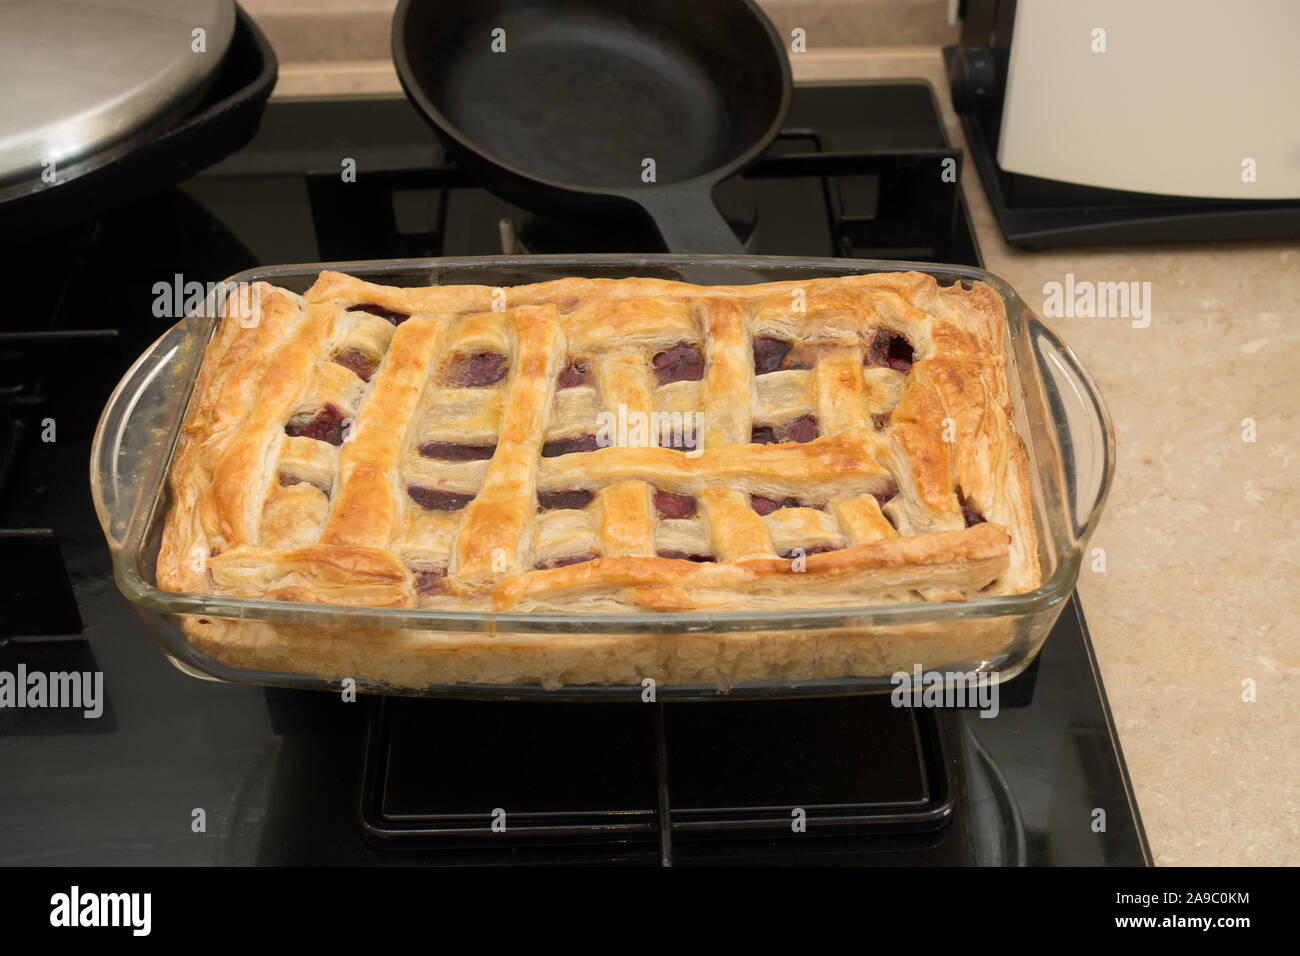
(596, 774)
(38, 399)
(821, 189)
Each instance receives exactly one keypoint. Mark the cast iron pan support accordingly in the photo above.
(661, 788)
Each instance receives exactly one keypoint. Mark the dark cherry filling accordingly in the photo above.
(802, 429)
(801, 357)
(326, 425)
(765, 506)
(392, 315)
(428, 581)
(577, 372)
(671, 505)
(969, 511)
(472, 371)
(679, 439)
(811, 549)
(687, 556)
(556, 500)
(358, 361)
(568, 446)
(434, 500)
(768, 353)
(883, 499)
(681, 363)
(454, 451)
(567, 560)
(890, 349)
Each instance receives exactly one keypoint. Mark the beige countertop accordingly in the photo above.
(1200, 591)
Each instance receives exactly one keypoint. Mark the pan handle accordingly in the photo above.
(686, 218)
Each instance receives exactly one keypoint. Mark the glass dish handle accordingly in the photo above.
(125, 467)
(1084, 431)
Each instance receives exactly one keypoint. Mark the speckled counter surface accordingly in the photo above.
(1201, 589)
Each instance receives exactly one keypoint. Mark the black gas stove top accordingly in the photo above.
(300, 777)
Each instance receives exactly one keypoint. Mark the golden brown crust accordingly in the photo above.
(415, 660)
(355, 519)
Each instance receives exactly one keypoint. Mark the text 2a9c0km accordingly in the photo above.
(1218, 897)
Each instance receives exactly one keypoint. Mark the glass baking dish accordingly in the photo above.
(488, 655)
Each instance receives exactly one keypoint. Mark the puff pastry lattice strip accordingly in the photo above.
(595, 444)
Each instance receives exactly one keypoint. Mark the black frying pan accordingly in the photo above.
(587, 90)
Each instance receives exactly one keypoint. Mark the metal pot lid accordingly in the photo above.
(80, 74)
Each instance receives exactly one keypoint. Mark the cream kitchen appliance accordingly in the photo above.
(1116, 121)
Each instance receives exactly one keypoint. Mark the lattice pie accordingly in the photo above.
(592, 445)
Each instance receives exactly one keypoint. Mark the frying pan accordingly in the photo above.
(600, 107)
